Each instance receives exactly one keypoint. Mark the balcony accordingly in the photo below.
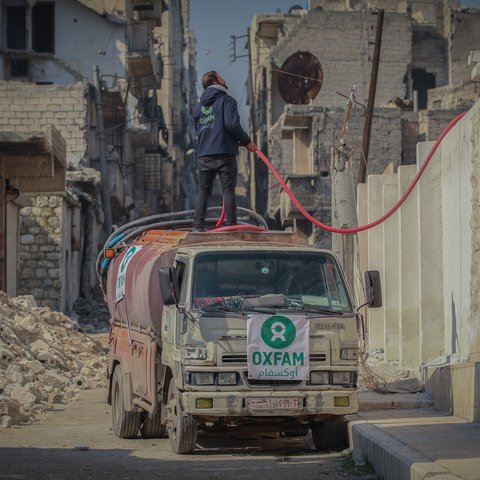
(313, 191)
(140, 49)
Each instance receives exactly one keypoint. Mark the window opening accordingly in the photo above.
(422, 82)
(17, 28)
(43, 27)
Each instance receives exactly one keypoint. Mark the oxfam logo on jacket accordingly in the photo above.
(207, 119)
(278, 332)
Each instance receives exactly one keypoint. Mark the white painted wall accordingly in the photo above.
(81, 33)
(427, 254)
(456, 213)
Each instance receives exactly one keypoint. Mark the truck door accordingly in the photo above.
(173, 318)
(180, 270)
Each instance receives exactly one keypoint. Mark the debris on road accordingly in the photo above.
(44, 360)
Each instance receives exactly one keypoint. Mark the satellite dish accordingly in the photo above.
(300, 78)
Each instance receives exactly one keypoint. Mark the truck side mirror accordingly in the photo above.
(373, 289)
(168, 286)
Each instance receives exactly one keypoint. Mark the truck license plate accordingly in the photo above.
(273, 403)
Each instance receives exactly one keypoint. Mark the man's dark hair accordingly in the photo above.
(209, 78)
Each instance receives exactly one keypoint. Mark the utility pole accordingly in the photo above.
(102, 160)
(362, 171)
(344, 210)
(233, 42)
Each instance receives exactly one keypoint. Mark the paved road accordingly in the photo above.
(78, 443)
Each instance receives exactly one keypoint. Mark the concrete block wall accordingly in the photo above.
(463, 95)
(431, 123)
(27, 108)
(464, 37)
(428, 256)
(385, 145)
(343, 48)
(429, 52)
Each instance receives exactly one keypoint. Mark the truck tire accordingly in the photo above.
(182, 428)
(152, 426)
(330, 434)
(125, 424)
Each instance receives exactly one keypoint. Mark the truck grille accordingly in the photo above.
(318, 357)
(242, 358)
(237, 358)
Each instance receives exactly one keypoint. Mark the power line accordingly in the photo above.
(209, 50)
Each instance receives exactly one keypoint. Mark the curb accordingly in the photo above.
(391, 458)
(370, 401)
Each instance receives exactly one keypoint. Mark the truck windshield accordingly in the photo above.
(269, 279)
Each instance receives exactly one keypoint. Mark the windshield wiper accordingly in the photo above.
(219, 311)
(269, 310)
(316, 309)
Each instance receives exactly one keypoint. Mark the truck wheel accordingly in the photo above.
(125, 424)
(330, 434)
(182, 428)
(152, 426)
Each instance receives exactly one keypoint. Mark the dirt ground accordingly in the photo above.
(78, 443)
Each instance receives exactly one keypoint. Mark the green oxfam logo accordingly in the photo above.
(278, 332)
(207, 110)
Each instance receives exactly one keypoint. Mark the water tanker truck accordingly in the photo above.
(247, 329)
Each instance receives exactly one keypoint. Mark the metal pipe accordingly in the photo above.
(136, 227)
(371, 99)
(102, 160)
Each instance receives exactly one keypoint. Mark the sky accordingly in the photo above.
(213, 21)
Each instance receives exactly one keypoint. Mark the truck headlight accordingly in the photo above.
(349, 353)
(202, 378)
(194, 353)
(227, 378)
(341, 378)
(319, 378)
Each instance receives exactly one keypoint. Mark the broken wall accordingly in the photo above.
(345, 52)
(27, 108)
(464, 36)
(386, 144)
(81, 38)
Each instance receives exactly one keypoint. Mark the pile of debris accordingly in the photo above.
(44, 360)
(381, 376)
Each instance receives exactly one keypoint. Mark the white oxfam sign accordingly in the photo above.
(122, 271)
(278, 347)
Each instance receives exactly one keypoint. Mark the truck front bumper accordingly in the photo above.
(239, 404)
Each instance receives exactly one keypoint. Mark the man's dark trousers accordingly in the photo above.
(208, 167)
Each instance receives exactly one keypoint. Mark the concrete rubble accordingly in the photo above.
(44, 360)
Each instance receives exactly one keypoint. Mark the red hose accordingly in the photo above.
(386, 215)
(328, 228)
(222, 217)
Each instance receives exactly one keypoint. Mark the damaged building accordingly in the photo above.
(303, 66)
(119, 121)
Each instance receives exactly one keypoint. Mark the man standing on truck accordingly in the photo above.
(219, 132)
